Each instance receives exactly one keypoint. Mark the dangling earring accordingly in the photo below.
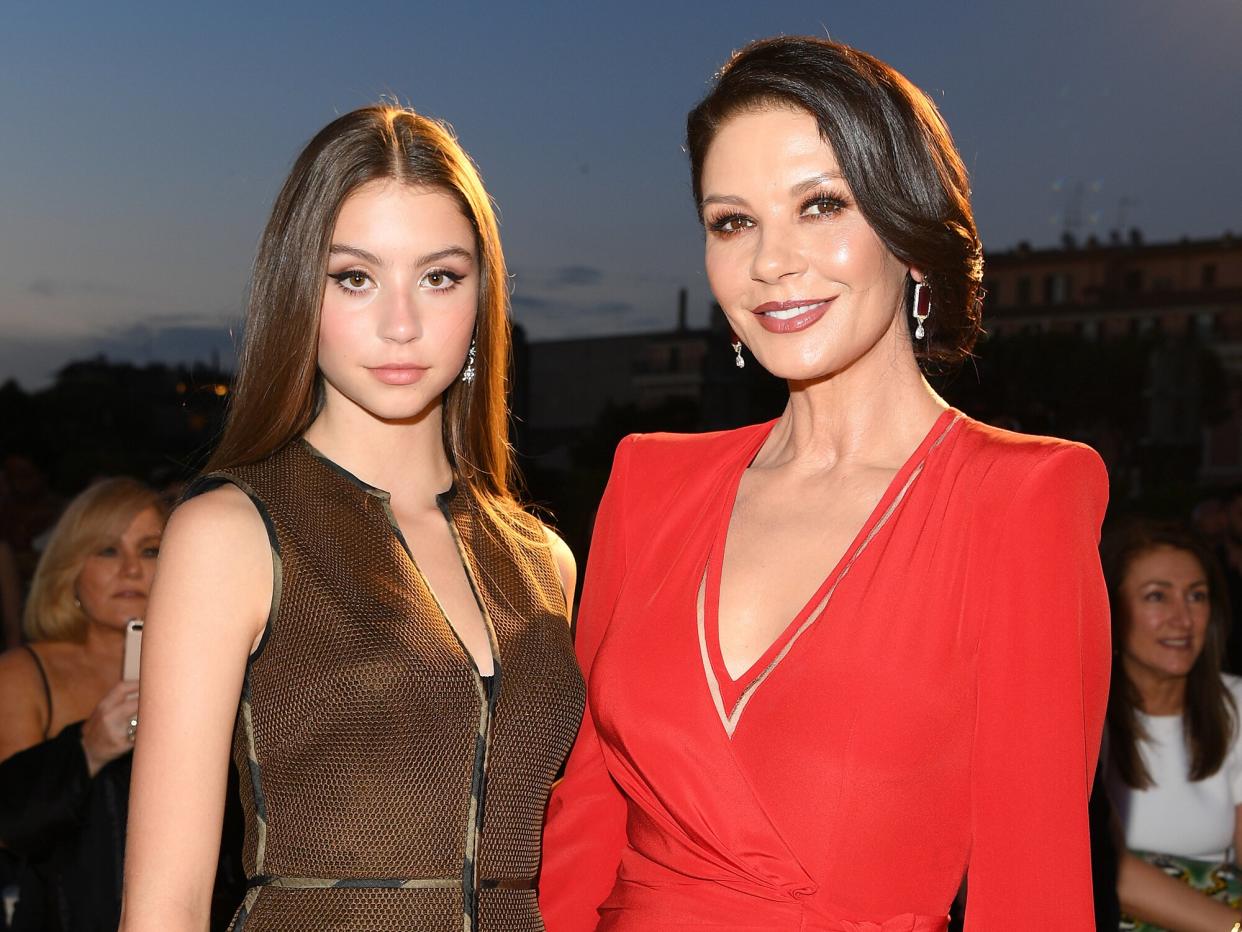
(737, 348)
(921, 307)
(467, 374)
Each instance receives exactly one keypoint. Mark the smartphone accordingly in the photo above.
(133, 650)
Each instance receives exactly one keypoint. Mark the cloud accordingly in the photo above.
(562, 276)
(34, 360)
(576, 275)
(56, 288)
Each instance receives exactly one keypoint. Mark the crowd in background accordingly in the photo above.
(73, 572)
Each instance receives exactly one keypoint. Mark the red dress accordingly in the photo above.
(940, 716)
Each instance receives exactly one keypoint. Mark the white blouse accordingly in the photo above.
(1175, 816)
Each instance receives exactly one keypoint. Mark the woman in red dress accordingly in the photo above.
(838, 661)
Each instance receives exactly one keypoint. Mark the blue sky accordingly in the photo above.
(142, 143)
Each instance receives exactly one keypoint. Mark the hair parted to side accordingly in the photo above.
(895, 153)
(96, 518)
(1209, 718)
(275, 394)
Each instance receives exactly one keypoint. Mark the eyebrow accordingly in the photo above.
(344, 249)
(802, 187)
(1165, 584)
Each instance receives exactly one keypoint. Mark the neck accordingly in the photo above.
(405, 458)
(104, 647)
(1159, 695)
(874, 412)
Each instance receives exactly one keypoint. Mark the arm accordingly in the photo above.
(585, 829)
(43, 783)
(1043, 667)
(208, 608)
(1148, 893)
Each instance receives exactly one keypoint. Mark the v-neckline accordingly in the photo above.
(732, 690)
(445, 502)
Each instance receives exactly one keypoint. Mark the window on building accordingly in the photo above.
(1024, 291)
(1208, 275)
(1205, 324)
(1134, 280)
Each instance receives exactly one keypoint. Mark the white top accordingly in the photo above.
(1175, 816)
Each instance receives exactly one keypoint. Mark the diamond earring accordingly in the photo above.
(467, 374)
(921, 307)
(737, 348)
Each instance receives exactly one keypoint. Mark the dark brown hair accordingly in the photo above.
(1208, 716)
(276, 392)
(895, 152)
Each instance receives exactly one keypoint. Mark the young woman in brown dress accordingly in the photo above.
(351, 597)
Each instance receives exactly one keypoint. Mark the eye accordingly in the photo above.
(353, 281)
(1154, 596)
(150, 553)
(440, 279)
(1199, 595)
(821, 205)
(729, 224)
(108, 551)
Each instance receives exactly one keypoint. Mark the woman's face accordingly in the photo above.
(805, 282)
(115, 580)
(399, 300)
(1167, 604)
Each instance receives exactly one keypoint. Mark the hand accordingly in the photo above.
(107, 734)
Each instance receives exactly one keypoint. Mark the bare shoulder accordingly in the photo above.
(560, 551)
(19, 677)
(216, 555)
(566, 565)
(22, 698)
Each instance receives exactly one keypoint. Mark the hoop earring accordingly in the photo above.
(920, 308)
(468, 373)
(738, 360)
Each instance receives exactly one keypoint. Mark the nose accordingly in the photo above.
(776, 255)
(131, 564)
(398, 317)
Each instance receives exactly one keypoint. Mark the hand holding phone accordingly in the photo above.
(133, 650)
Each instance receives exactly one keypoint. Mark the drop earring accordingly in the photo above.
(921, 307)
(738, 360)
(468, 373)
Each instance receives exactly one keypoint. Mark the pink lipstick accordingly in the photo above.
(397, 374)
(791, 316)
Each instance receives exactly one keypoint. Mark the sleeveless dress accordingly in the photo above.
(386, 784)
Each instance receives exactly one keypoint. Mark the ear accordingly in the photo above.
(917, 275)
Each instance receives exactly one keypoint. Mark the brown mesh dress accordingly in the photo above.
(391, 786)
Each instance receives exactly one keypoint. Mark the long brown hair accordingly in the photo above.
(895, 152)
(276, 393)
(1209, 717)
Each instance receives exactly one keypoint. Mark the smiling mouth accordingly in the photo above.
(1176, 643)
(788, 310)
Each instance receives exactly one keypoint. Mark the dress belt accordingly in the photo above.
(387, 883)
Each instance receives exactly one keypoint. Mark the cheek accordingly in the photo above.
(93, 581)
(338, 332)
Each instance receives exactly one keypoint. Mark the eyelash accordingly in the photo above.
(834, 204)
(341, 277)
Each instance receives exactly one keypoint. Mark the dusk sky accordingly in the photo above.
(141, 144)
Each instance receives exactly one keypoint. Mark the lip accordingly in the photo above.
(815, 309)
(129, 594)
(1185, 643)
(398, 373)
